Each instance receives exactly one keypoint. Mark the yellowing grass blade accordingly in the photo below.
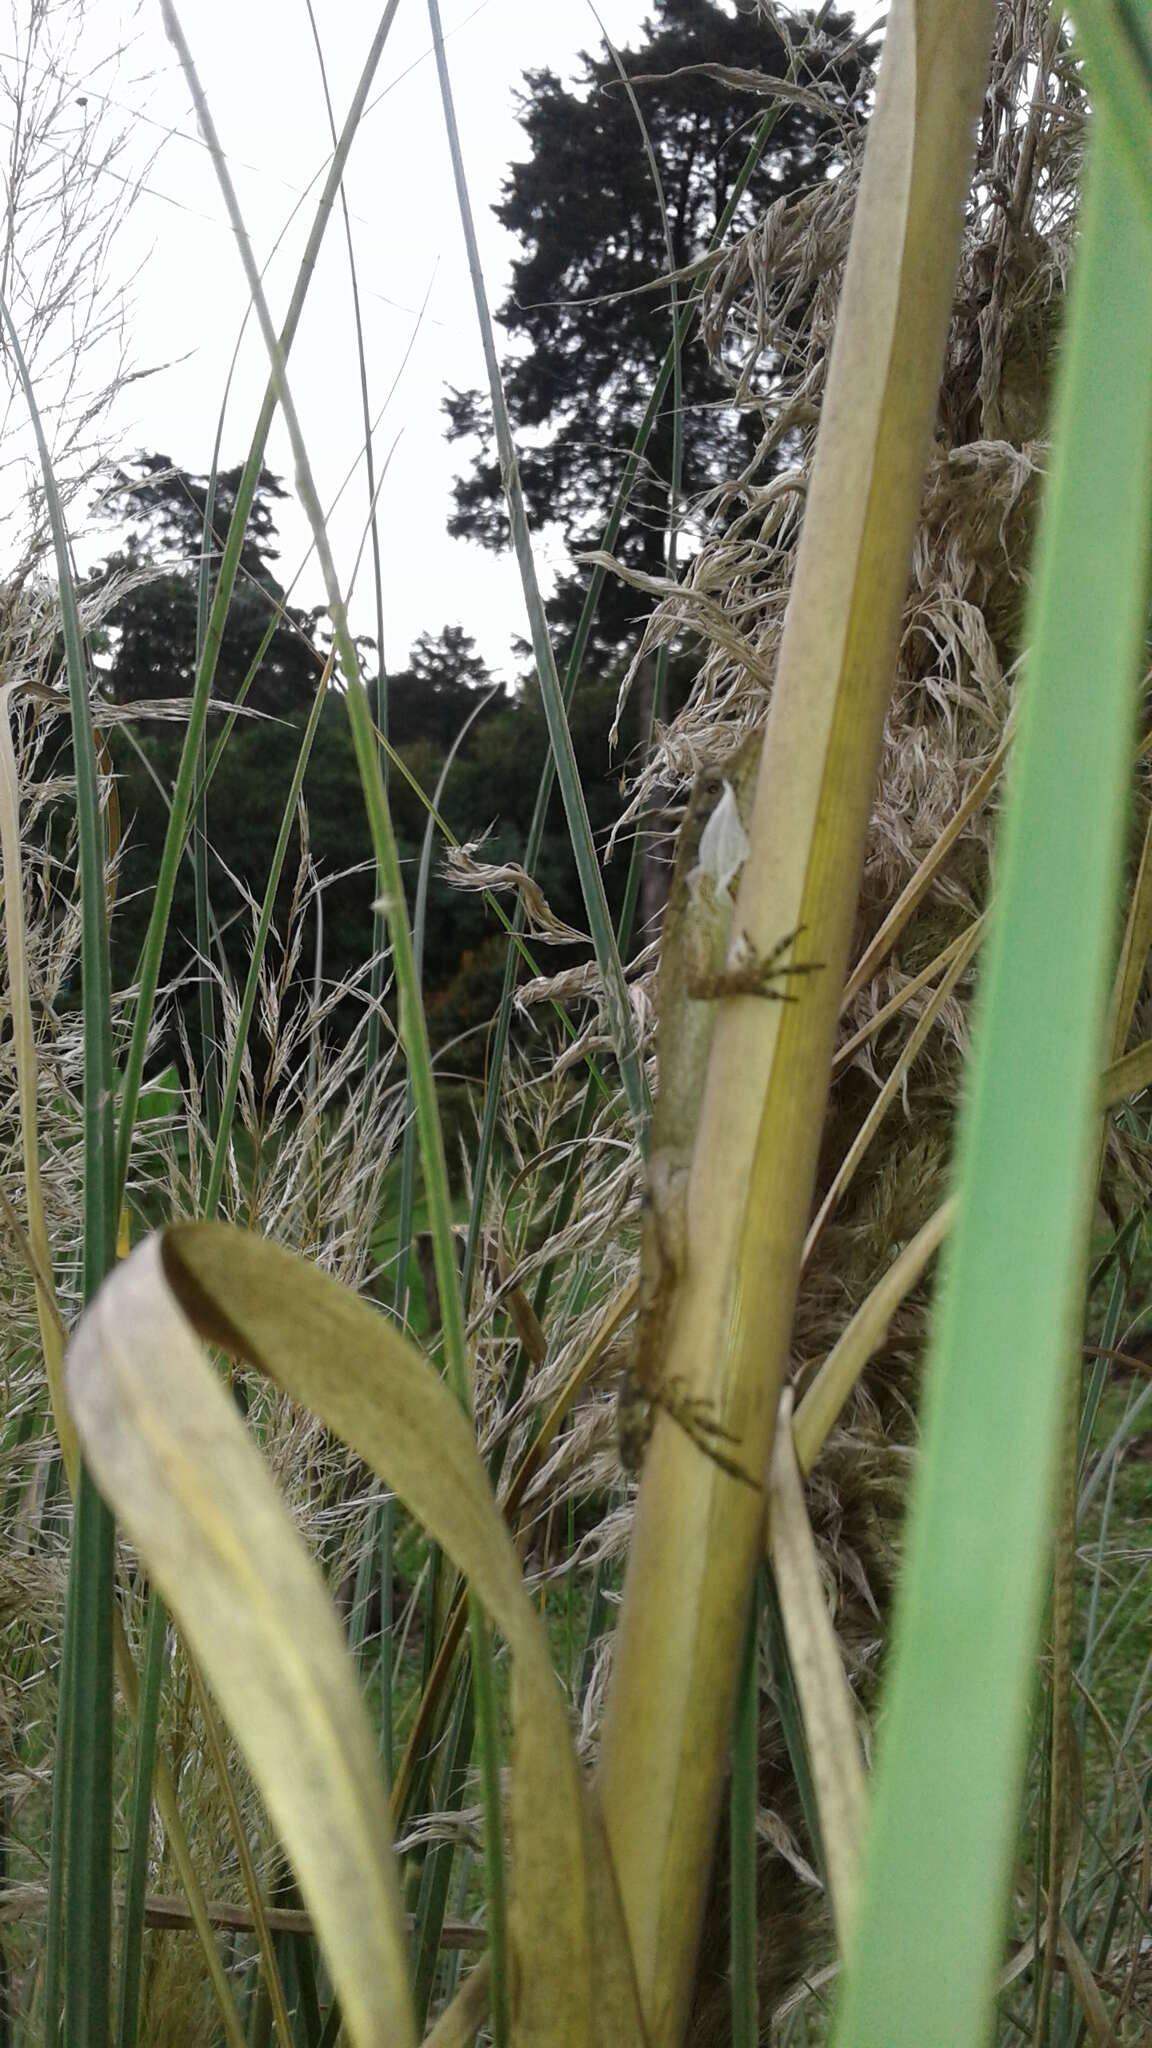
(366, 1383)
(354, 1370)
(460, 2022)
(165, 1442)
(825, 1696)
(820, 1407)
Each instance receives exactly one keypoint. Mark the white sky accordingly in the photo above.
(257, 62)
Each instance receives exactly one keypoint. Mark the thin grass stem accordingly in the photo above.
(617, 1006)
(742, 1845)
(229, 566)
(89, 1886)
(136, 1875)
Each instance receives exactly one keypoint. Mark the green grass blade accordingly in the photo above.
(386, 1539)
(256, 958)
(379, 922)
(1114, 38)
(332, 2024)
(207, 769)
(491, 1095)
(406, 1215)
(89, 1931)
(676, 478)
(419, 921)
(487, 1708)
(742, 1843)
(205, 987)
(58, 1858)
(182, 794)
(617, 1007)
(948, 1782)
(432, 1899)
(136, 1876)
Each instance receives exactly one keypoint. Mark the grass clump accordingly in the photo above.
(337, 1388)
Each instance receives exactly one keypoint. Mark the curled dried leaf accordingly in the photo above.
(464, 871)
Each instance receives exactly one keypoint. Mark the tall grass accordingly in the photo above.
(340, 1830)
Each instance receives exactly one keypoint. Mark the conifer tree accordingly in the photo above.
(588, 337)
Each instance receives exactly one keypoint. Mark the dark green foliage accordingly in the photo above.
(155, 628)
(165, 508)
(151, 655)
(587, 215)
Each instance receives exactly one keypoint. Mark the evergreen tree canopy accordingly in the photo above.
(165, 509)
(155, 624)
(587, 214)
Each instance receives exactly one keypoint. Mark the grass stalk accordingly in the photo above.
(24, 1048)
(136, 1873)
(270, 1980)
(58, 1859)
(205, 988)
(404, 1232)
(379, 921)
(89, 1896)
(617, 1006)
(742, 1843)
(256, 957)
(436, 1873)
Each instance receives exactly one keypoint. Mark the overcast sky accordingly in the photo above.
(258, 64)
